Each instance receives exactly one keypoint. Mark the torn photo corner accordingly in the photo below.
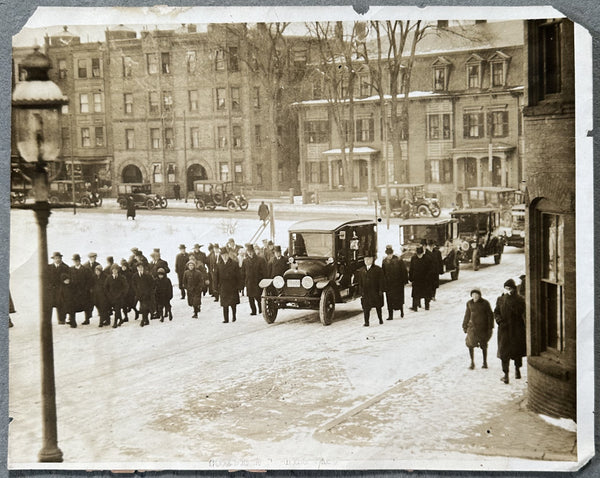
(301, 238)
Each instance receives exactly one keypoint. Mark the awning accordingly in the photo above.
(360, 150)
(482, 150)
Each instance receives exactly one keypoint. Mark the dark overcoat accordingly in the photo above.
(54, 282)
(263, 211)
(129, 300)
(164, 291)
(420, 274)
(98, 294)
(181, 261)
(66, 298)
(437, 266)
(229, 282)
(130, 208)
(159, 264)
(371, 286)
(81, 282)
(478, 323)
(254, 269)
(510, 317)
(277, 266)
(194, 282)
(116, 290)
(395, 278)
(200, 257)
(144, 290)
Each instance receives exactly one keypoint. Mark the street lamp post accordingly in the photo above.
(36, 107)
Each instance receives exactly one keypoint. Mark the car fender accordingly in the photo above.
(265, 283)
(322, 284)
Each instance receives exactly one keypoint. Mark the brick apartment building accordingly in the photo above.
(465, 107)
(549, 131)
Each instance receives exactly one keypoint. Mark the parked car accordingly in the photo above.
(408, 200)
(495, 197)
(444, 232)
(17, 197)
(324, 257)
(142, 194)
(210, 194)
(480, 235)
(514, 235)
(61, 191)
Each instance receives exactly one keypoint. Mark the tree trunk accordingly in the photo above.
(273, 144)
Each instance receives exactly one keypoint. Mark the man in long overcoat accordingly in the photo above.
(129, 301)
(143, 285)
(194, 281)
(199, 255)
(115, 288)
(81, 280)
(510, 317)
(99, 296)
(55, 270)
(395, 278)
(278, 264)
(157, 263)
(263, 212)
(419, 274)
(478, 324)
(91, 265)
(437, 266)
(370, 283)
(213, 259)
(181, 261)
(254, 269)
(228, 280)
(164, 294)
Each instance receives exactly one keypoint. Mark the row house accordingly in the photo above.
(464, 119)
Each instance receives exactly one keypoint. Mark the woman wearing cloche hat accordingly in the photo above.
(478, 324)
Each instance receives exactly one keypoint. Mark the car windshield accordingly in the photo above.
(312, 244)
(470, 222)
(411, 234)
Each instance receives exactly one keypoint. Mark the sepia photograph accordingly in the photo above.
(300, 239)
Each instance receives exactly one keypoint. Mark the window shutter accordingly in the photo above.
(505, 123)
(371, 129)
(427, 171)
(465, 125)
(481, 125)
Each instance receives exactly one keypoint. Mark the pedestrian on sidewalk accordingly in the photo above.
(99, 299)
(370, 283)
(395, 278)
(478, 324)
(164, 294)
(420, 274)
(177, 191)
(194, 281)
(263, 212)
(228, 283)
(115, 289)
(130, 205)
(510, 317)
(181, 261)
(254, 269)
(67, 299)
(143, 285)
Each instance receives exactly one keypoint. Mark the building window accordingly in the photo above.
(62, 69)
(317, 89)
(324, 173)
(153, 102)
(550, 58)
(238, 175)
(127, 67)
(85, 138)
(155, 138)
(434, 127)
(259, 174)
(497, 72)
(552, 280)
(220, 97)
(169, 138)
(499, 124)
(171, 172)
(473, 76)
(473, 125)
(167, 101)
(256, 97)
(224, 171)
(220, 59)
(95, 67)
(365, 129)
(157, 175)
(235, 98)
(128, 103)
(165, 63)
(439, 79)
(193, 100)
(316, 131)
(439, 127)
(258, 135)
(82, 68)
(195, 137)
(222, 137)
(129, 139)
(99, 135)
(364, 85)
(314, 172)
(190, 60)
(97, 102)
(84, 106)
(64, 109)
(234, 60)
(434, 171)
(151, 63)
(236, 133)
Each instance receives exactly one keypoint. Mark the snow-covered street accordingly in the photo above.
(294, 394)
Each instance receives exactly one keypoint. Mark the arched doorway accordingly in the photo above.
(195, 172)
(131, 174)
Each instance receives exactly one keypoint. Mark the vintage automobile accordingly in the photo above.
(17, 197)
(496, 197)
(407, 200)
(514, 235)
(61, 191)
(142, 196)
(324, 257)
(479, 234)
(210, 194)
(443, 232)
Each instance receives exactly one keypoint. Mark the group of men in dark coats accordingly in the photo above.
(424, 274)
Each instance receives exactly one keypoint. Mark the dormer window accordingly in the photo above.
(498, 69)
(474, 71)
(441, 70)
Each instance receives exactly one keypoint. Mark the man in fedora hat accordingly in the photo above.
(278, 263)
(228, 282)
(55, 270)
(370, 283)
(213, 260)
(420, 275)
(81, 280)
(254, 269)
(143, 285)
(199, 255)
(91, 265)
(395, 278)
(181, 261)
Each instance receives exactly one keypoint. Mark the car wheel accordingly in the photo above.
(231, 205)
(435, 210)
(85, 202)
(476, 260)
(269, 308)
(163, 203)
(423, 211)
(497, 258)
(150, 204)
(21, 199)
(243, 204)
(218, 198)
(53, 200)
(200, 205)
(454, 273)
(327, 306)
(99, 201)
(123, 203)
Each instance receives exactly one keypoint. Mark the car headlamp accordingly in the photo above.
(474, 245)
(307, 282)
(278, 282)
(465, 246)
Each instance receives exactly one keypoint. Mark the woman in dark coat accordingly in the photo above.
(130, 208)
(420, 276)
(115, 288)
(510, 317)
(228, 280)
(478, 324)
(194, 281)
(164, 294)
(99, 296)
(395, 278)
